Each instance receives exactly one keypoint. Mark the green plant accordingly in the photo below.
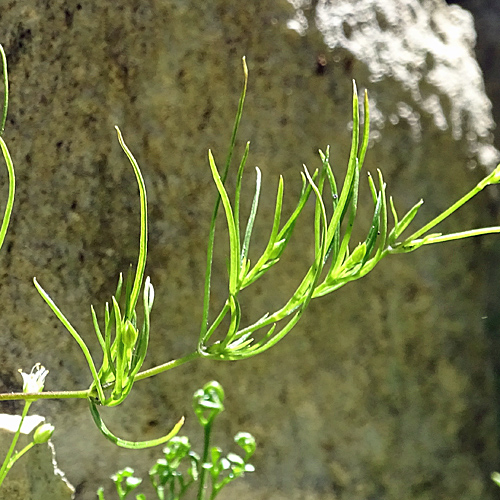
(124, 340)
(181, 468)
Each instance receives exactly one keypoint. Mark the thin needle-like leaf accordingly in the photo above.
(260, 266)
(97, 329)
(237, 194)
(108, 322)
(492, 178)
(211, 235)
(251, 218)
(344, 246)
(5, 90)
(366, 130)
(12, 188)
(351, 168)
(74, 334)
(120, 354)
(234, 244)
(143, 243)
(131, 445)
(407, 219)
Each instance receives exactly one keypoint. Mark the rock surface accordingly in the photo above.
(487, 21)
(384, 389)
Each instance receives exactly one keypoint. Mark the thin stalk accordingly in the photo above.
(7, 464)
(166, 366)
(204, 459)
(211, 236)
(434, 222)
(457, 236)
(19, 454)
(84, 394)
(216, 491)
(33, 396)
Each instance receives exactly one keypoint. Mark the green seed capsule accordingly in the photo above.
(43, 433)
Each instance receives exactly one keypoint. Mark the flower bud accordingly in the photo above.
(43, 433)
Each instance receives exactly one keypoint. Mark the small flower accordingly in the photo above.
(43, 433)
(33, 381)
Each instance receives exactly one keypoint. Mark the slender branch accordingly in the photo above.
(33, 396)
(13, 396)
(456, 236)
(7, 463)
(490, 179)
(211, 234)
(166, 366)
(203, 470)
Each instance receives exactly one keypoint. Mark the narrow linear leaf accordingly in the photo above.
(239, 179)
(12, 188)
(383, 217)
(143, 244)
(234, 244)
(5, 90)
(392, 233)
(373, 232)
(366, 129)
(253, 213)
(211, 234)
(74, 334)
(406, 220)
(131, 445)
(97, 329)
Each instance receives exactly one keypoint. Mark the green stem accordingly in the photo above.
(204, 460)
(7, 462)
(166, 366)
(33, 396)
(211, 235)
(13, 396)
(19, 454)
(457, 236)
(434, 222)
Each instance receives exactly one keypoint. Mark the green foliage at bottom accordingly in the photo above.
(181, 469)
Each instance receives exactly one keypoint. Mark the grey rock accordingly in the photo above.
(487, 20)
